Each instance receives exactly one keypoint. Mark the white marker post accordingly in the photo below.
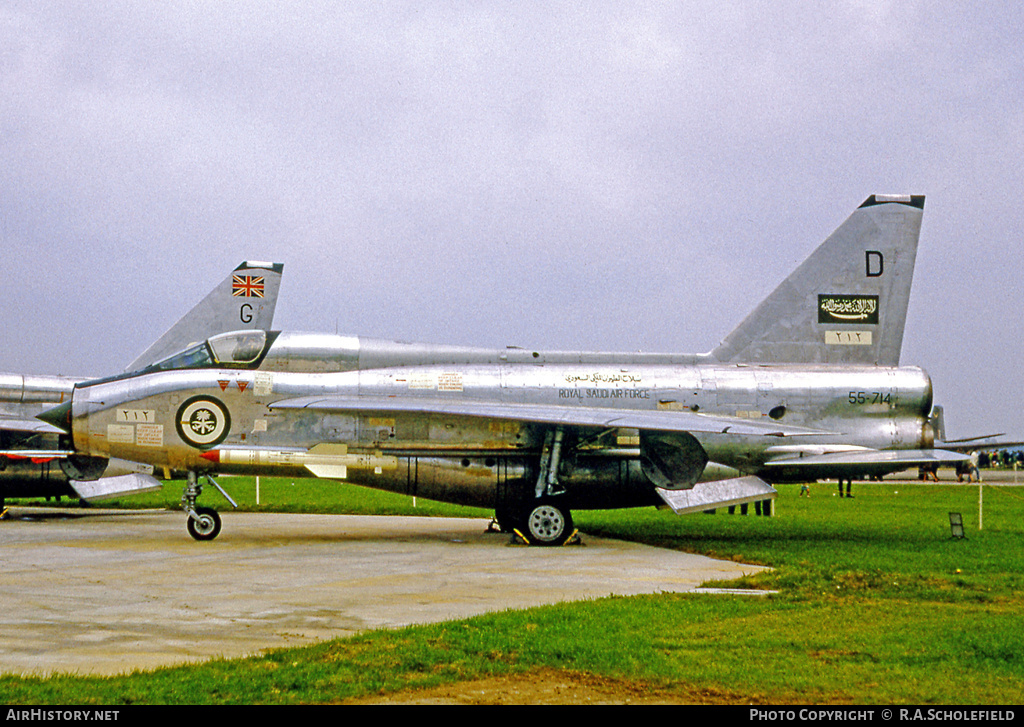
(979, 502)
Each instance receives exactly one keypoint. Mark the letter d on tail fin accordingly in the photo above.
(245, 299)
(847, 303)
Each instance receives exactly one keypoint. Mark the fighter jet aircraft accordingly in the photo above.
(34, 462)
(808, 386)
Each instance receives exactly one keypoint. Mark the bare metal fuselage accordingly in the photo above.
(486, 461)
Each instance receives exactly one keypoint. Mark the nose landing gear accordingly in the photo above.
(203, 522)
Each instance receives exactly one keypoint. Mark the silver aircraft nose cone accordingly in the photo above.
(59, 416)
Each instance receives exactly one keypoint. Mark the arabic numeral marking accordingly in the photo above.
(870, 397)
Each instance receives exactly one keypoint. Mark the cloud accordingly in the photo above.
(590, 176)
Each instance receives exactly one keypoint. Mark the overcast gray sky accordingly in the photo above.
(609, 176)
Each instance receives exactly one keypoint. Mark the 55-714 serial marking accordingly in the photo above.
(872, 397)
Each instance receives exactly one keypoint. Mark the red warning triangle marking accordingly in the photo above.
(242, 385)
(223, 384)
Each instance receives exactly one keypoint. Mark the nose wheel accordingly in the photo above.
(203, 523)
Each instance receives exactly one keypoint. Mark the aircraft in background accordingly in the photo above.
(35, 460)
(966, 444)
(808, 386)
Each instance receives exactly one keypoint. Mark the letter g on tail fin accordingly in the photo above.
(847, 303)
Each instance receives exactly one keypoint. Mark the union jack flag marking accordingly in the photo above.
(247, 286)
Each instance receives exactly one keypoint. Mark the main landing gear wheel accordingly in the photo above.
(205, 525)
(548, 524)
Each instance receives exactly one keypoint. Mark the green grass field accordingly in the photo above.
(873, 602)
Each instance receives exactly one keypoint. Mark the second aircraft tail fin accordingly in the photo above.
(847, 303)
(245, 299)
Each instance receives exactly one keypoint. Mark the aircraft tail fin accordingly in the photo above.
(245, 299)
(847, 303)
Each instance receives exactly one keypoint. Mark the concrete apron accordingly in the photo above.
(107, 592)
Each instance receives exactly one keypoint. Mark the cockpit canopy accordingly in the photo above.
(238, 347)
(235, 349)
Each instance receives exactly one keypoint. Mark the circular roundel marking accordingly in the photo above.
(203, 421)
